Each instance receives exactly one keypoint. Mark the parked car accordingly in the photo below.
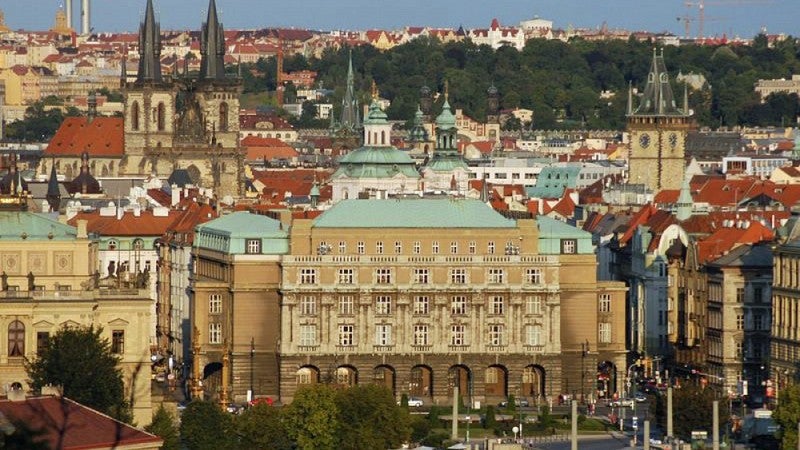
(639, 397)
(415, 402)
(622, 402)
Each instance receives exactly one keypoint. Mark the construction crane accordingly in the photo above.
(701, 11)
(687, 22)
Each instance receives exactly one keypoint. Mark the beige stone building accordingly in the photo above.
(424, 295)
(785, 336)
(49, 282)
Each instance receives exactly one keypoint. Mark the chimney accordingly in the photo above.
(16, 394)
(49, 389)
(85, 18)
(82, 234)
(176, 195)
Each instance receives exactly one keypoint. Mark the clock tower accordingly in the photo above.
(657, 130)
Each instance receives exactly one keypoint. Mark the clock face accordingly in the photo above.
(644, 140)
(673, 140)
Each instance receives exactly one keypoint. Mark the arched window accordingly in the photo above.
(135, 116)
(161, 119)
(383, 137)
(223, 116)
(16, 338)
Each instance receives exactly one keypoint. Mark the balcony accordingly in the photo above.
(422, 348)
(458, 348)
(534, 348)
(307, 348)
(382, 348)
(496, 348)
(346, 349)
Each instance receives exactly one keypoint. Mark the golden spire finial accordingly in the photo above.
(446, 90)
(374, 90)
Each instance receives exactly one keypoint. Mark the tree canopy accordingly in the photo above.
(787, 414)
(692, 409)
(80, 360)
(41, 121)
(557, 80)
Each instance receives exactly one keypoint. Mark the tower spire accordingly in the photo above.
(149, 48)
(350, 118)
(212, 46)
(630, 99)
(658, 99)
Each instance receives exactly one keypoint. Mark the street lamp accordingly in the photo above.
(469, 420)
(252, 358)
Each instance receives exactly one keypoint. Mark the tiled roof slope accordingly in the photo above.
(102, 137)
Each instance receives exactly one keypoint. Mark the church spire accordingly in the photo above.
(53, 192)
(349, 118)
(685, 198)
(149, 48)
(212, 46)
(658, 99)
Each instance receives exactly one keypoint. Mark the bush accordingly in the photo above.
(420, 428)
(435, 439)
(489, 421)
(404, 400)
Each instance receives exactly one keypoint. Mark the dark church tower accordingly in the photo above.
(149, 102)
(492, 104)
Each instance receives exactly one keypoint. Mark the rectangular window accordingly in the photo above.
(308, 305)
(533, 334)
(739, 322)
(533, 304)
(308, 276)
(458, 335)
(472, 247)
(490, 248)
(420, 335)
(604, 332)
(383, 334)
(758, 295)
(345, 276)
(533, 275)
(458, 276)
(495, 334)
(253, 246)
(496, 276)
(435, 247)
(42, 341)
(346, 305)
(569, 246)
(308, 335)
(383, 305)
(417, 247)
(398, 247)
(740, 295)
(346, 335)
(383, 276)
(118, 342)
(342, 247)
(379, 247)
(214, 333)
(454, 247)
(360, 247)
(458, 305)
(421, 305)
(421, 276)
(498, 305)
(214, 303)
(605, 303)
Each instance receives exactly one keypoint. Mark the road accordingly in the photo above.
(606, 443)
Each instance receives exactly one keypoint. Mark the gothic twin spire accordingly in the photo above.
(212, 47)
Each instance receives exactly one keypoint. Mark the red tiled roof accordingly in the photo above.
(267, 148)
(66, 424)
(669, 196)
(128, 225)
(725, 239)
(103, 137)
(565, 207)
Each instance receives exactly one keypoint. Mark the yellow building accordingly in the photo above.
(49, 281)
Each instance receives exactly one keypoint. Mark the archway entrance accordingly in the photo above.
(459, 377)
(421, 382)
(346, 376)
(384, 376)
(533, 382)
(496, 382)
(606, 379)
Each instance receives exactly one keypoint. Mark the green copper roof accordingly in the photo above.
(375, 115)
(553, 232)
(36, 227)
(230, 233)
(446, 119)
(552, 181)
(376, 162)
(412, 213)
(446, 163)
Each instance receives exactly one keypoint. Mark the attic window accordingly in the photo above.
(726, 188)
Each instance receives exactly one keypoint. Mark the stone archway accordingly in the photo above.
(421, 382)
(346, 376)
(307, 375)
(459, 377)
(606, 384)
(533, 382)
(496, 383)
(385, 375)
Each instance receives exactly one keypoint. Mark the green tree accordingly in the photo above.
(80, 360)
(787, 414)
(312, 419)
(369, 418)
(261, 427)
(163, 426)
(205, 426)
(692, 410)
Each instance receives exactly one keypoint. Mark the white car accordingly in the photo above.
(414, 402)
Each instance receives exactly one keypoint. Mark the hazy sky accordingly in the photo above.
(740, 17)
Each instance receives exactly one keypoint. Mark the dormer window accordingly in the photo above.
(253, 246)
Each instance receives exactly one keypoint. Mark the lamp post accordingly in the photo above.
(252, 358)
(469, 420)
(584, 352)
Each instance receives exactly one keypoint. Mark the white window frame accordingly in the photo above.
(498, 306)
(214, 303)
(215, 333)
(253, 246)
(458, 334)
(458, 305)
(383, 305)
(533, 275)
(308, 305)
(379, 247)
(495, 275)
(605, 303)
(435, 247)
(421, 275)
(604, 332)
(458, 275)
(421, 305)
(308, 276)
(346, 305)
(347, 335)
(308, 335)
(346, 276)
(421, 334)
(454, 247)
(383, 334)
(533, 304)
(533, 334)
(398, 247)
(360, 247)
(417, 247)
(496, 332)
(383, 275)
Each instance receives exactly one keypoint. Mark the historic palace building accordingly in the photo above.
(427, 295)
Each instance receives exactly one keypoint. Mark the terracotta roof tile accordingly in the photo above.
(128, 225)
(102, 137)
(67, 424)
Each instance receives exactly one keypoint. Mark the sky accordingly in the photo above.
(744, 18)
